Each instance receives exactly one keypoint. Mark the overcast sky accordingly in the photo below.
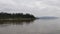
(35, 7)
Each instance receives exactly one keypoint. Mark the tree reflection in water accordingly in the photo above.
(16, 22)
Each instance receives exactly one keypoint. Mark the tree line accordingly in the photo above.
(15, 15)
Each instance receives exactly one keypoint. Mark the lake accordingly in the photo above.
(39, 26)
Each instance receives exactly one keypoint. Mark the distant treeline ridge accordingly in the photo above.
(15, 15)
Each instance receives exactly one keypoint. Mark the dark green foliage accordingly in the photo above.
(15, 15)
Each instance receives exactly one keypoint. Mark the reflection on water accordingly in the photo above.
(31, 27)
(7, 23)
(16, 22)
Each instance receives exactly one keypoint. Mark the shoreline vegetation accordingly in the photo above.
(16, 17)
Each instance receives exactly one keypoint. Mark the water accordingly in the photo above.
(40, 26)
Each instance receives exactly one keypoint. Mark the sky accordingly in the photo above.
(35, 7)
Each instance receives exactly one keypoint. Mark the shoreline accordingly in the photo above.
(17, 20)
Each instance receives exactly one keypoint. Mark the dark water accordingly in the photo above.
(40, 26)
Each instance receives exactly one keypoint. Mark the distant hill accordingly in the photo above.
(47, 17)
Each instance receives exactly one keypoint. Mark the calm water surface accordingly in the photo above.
(41, 26)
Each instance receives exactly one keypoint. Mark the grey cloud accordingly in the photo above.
(52, 2)
(36, 7)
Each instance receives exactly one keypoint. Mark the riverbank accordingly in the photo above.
(17, 20)
(16, 17)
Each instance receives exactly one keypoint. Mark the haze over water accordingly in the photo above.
(40, 26)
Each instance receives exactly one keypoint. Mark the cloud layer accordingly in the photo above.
(36, 7)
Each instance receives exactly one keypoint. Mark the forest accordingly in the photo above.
(15, 15)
